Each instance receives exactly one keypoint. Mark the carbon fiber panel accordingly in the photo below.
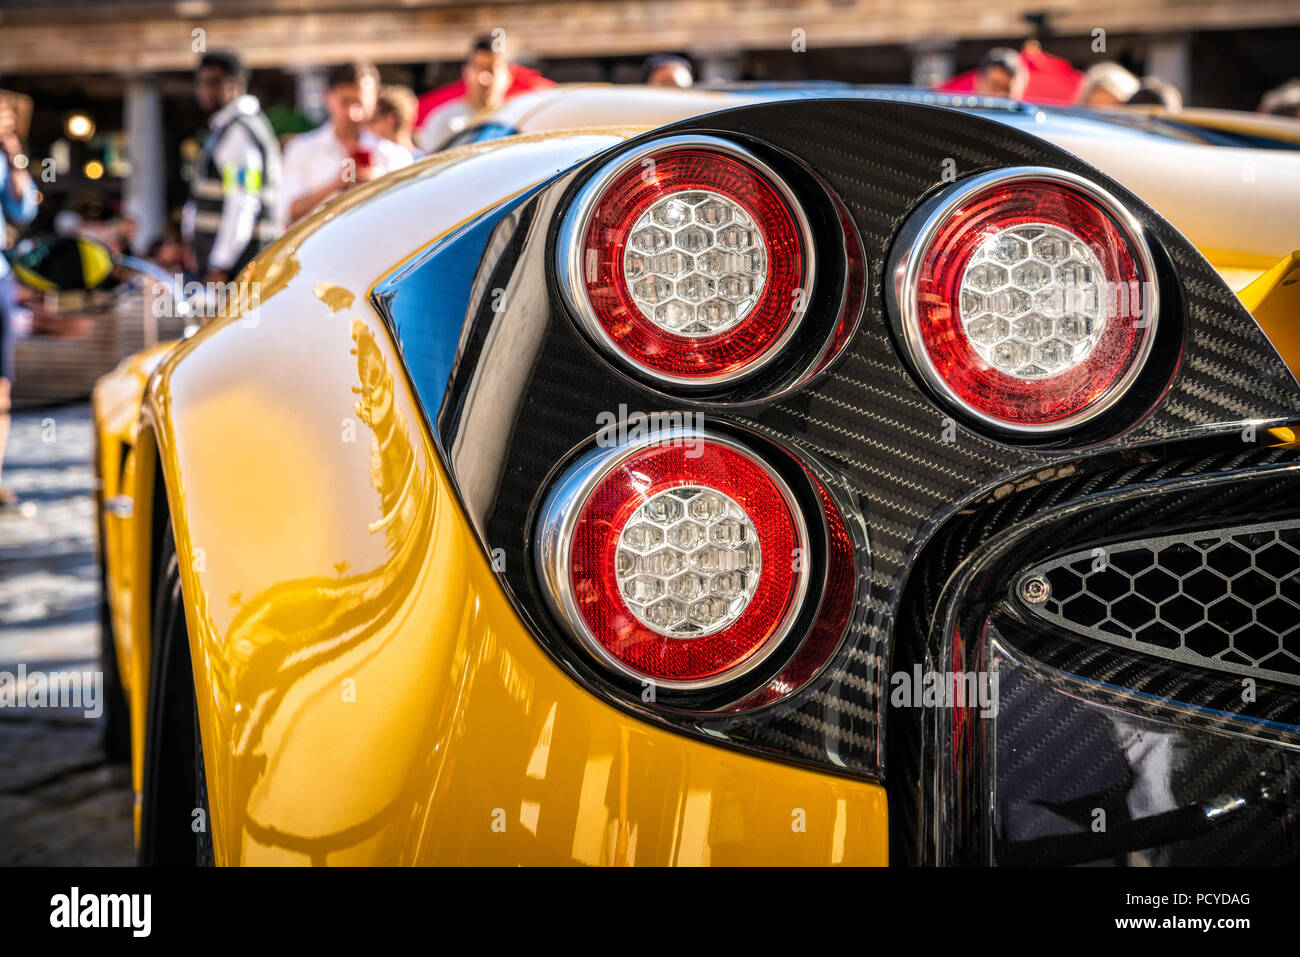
(1132, 789)
(526, 389)
(967, 570)
(970, 573)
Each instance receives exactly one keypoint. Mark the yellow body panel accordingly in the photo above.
(126, 539)
(366, 692)
(1235, 121)
(1274, 300)
(374, 698)
(115, 408)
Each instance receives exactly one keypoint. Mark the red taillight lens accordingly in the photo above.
(1029, 299)
(690, 261)
(838, 599)
(683, 563)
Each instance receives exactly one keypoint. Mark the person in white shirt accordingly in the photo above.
(486, 75)
(231, 212)
(343, 152)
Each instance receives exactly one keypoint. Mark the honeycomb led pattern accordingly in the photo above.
(696, 263)
(1031, 301)
(688, 562)
(1226, 599)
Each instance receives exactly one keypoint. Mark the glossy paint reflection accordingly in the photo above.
(366, 692)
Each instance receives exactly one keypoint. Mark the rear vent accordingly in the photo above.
(1227, 599)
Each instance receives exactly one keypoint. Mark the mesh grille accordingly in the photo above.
(1227, 599)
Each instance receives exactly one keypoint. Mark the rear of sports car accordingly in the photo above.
(824, 481)
(891, 444)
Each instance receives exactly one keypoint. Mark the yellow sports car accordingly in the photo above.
(769, 476)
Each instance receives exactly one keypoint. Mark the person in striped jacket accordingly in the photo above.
(232, 209)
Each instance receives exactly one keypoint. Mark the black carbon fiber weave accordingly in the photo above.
(868, 418)
(892, 448)
(1120, 496)
(1060, 512)
(1047, 798)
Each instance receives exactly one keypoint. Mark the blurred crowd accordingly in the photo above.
(248, 185)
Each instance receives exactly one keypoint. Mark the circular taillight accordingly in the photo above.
(689, 259)
(679, 562)
(1027, 298)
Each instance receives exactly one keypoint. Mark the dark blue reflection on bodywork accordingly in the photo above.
(428, 302)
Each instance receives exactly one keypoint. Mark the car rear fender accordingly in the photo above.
(365, 691)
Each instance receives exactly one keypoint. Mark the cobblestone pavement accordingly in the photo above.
(60, 801)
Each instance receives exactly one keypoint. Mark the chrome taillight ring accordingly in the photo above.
(904, 300)
(574, 262)
(557, 527)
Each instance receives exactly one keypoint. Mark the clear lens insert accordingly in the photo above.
(688, 562)
(1031, 301)
(695, 263)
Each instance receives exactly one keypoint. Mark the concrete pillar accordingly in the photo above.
(310, 91)
(1170, 58)
(146, 186)
(932, 64)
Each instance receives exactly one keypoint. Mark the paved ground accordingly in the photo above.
(60, 802)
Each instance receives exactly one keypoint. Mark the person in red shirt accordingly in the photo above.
(488, 79)
(1032, 75)
(1001, 74)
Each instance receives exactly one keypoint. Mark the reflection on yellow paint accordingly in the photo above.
(693, 845)
(273, 273)
(588, 840)
(336, 298)
(371, 696)
(537, 763)
(529, 812)
(841, 829)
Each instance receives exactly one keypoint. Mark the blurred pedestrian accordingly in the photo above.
(342, 152)
(1001, 73)
(1157, 92)
(522, 80)
(394, 118)
(67, 223)
(487, 78)
(17, 205)
(231, 213)
(1107, 84)
(668, 70)
(122, 231)
(169, 253)
(1283, 100)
